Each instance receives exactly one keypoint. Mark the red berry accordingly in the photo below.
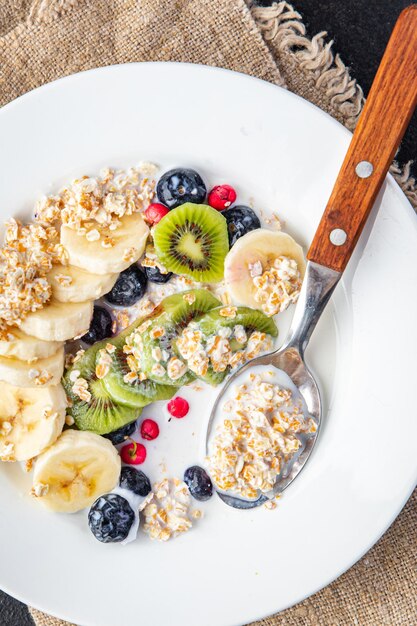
(149, 429)
(221, 197)
(133, 453)
(178, 407)
(155, 212)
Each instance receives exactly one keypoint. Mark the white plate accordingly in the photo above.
(234, 566)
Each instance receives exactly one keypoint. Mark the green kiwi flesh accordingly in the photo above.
(102, 414)
(250, 319)
(179, 310)
(182, 307)
(192, 239)
(134, 394)
(149, 344)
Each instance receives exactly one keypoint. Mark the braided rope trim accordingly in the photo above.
(252, 27)
(282, 25)
(406, 181)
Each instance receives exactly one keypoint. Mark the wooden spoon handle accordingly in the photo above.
(381, 126)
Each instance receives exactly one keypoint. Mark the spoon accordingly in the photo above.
(384, 119)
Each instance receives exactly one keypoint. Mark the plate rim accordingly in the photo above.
(209, 68)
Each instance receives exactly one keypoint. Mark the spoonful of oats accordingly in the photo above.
(265, 421)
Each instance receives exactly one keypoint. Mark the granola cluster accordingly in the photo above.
(151, 259)
(80, 386)
(133, 348)
(26, 258)
(7, 452)
(278, 286)
(257, 437)
(94, 206)
(168, 511)
(227, 348)
(104, 360)
(39, 377)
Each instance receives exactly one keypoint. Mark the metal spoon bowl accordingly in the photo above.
(317, 288)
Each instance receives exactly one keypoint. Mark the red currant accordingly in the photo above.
(149, 429)
(155, 212)
(133, 453)
(221, 197)
(178, 407)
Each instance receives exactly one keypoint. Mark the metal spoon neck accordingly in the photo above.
(318, 285)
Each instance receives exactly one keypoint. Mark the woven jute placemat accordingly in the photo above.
(41, 40)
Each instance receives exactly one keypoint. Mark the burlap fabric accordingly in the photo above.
(41, 40)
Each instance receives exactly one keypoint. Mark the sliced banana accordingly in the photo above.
(73, 284)
(27, 348)
(127, 245)
(30, 420)
(59, 321)
(78, 468)
(40, 373)
(258, 245)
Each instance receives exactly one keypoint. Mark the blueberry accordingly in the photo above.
(135, 480)
(181, 185)
(198, 482)
(240, 220)
(129, 287)
(119, 435)
(100, 327)
(154, 275)
(110, 518)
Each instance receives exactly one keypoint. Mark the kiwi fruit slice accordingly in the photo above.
(250, 319)
(213, 320)
(101, 414)
(157, 371)
(192, 239)
(135, 394)
(182, 307)
(178, 309)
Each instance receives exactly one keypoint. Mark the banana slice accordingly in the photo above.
(72, 284)
(72, 473)
(59, 321)
(40, 373)
(27, 348)
(241, 265)
(128, 243)
(30, 420)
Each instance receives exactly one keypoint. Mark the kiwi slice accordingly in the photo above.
(154, 370)
(182, 307)
(178, 309)
(250, 319)
(134, 394)
(101, 414)
(213, 320)
(192, 239)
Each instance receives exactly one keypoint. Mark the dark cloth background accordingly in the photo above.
(360, 29)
